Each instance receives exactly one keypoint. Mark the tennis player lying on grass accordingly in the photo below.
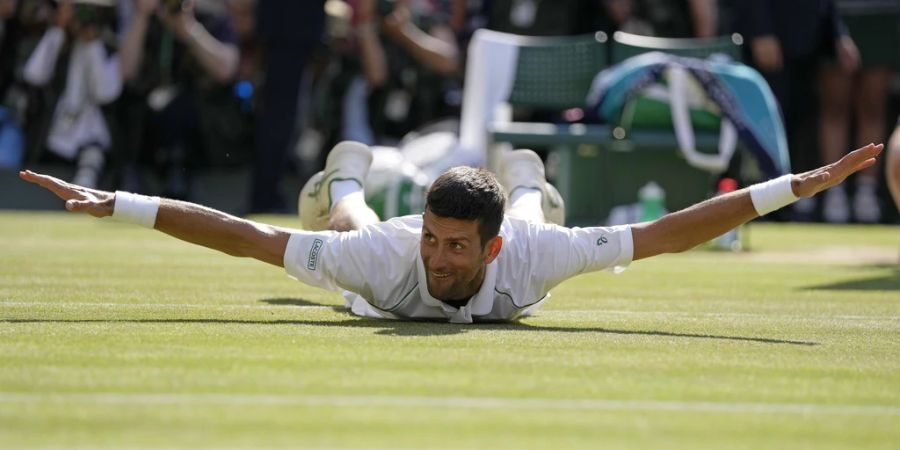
(463, 259)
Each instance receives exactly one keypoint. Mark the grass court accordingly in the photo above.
(112, 336)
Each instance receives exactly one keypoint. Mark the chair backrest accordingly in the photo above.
(625, 45)
(556, 72)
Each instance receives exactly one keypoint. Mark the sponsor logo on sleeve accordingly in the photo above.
(313, 260)
(602, 240)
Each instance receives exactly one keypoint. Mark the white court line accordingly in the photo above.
(164, 305)
(773, 315)
(548, 312)
(447, 402)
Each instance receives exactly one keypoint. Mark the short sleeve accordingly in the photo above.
(565, 252)
(372, 262)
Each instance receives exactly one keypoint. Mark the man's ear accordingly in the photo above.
(494, 245)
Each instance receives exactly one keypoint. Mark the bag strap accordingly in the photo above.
(684, 131)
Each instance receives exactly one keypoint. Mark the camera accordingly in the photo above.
(173, 6)
(92, 15)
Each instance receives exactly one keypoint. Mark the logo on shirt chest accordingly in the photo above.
(313, 260)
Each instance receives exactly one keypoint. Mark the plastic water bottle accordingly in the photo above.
(652, 199)
(731, 240)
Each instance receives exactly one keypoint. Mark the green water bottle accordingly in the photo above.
(652, 199)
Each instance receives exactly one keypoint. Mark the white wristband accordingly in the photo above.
(137, 209)
(773, 194)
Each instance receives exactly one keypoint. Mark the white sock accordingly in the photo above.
(525, 198)
(344, 189)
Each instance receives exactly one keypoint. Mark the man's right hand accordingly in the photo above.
(78, 198)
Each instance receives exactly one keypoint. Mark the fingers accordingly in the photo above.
(80, 205)
(864, 153)
(76, 205)
(55, 185)
(89, 206)
(59, 187)
(857, 160)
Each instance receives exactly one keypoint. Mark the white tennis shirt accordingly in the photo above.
(380, 269)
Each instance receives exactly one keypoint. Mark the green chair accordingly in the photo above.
(556, 72)
(597, 167)
(625, 45)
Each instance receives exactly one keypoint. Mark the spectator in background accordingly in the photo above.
(846, 91)
(788, 42)
(26, 105)
(410, 57)
(680, 18)
(11, 141)
(179, 60)
(243, 19)
(72, 60)
(289, 32)
(543, 18)
(9, 31)
(620, 15)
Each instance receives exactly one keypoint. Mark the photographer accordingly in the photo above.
(81, 74)
(178, 60)
(410, 59)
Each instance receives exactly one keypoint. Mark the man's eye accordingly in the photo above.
(456, 245)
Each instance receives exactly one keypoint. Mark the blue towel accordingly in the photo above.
(740, 92)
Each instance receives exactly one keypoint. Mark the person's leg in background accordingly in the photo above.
(871, 108)
(834, 124)
(132, 113)
(89, 165)
(176, 126)
(795, 94)
(284, 66)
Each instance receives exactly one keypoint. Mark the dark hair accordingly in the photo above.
(469, 193)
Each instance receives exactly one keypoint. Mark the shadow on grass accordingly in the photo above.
(300, 302)
(890, 282)
(421, 328)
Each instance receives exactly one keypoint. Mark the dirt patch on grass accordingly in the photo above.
(852, 255)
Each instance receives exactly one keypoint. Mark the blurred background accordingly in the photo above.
(235, 103)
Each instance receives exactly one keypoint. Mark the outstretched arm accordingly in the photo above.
(697, 224)
(186, 221)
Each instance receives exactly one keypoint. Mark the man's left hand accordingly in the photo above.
(811, 183)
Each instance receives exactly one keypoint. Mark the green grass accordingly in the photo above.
(113, 336)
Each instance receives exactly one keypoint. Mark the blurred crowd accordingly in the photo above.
(141, 94)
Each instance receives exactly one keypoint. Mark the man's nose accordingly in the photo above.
(439, 258)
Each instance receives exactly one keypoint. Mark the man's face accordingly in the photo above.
(453, 256)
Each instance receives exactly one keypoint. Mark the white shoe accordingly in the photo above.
(348, 160)
(553, 205)
(836, 207)
(865, 205)
(523, 169)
